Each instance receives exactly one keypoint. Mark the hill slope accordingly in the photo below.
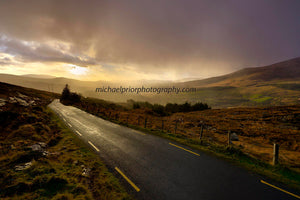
(283, 71)
(37, 149)
(276, 84)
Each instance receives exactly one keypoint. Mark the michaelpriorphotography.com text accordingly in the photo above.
(143, 89)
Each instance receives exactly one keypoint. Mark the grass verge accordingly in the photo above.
(40, 158)
(101, 182)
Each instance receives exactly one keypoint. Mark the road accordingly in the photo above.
(155, 168)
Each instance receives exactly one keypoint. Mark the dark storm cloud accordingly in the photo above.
(196, 34)
(5, 61)
(36, 52)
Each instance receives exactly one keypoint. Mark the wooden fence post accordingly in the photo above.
(229, 139)
(275, 154)
(145, 126)
(162, 125)
(176, 126)
(201, 131)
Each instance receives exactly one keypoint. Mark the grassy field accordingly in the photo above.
(260, 94)
(40, 158)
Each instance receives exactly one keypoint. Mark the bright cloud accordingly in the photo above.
(77, 70)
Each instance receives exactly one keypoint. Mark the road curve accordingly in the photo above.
(156, 168)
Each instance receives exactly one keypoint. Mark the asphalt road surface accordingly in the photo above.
(155, 168)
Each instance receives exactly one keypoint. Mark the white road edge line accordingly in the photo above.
(70, 125)
(78, 133)
(93, 145)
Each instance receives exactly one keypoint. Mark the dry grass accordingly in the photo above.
(56, 171)
(257, 128)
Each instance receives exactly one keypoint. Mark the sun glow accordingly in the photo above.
(77, 70)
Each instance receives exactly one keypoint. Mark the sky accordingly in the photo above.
(143, 39)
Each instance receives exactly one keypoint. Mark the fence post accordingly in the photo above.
(229, 139)
(275, 154)
(145, 126)
(162, 125)
(127, 120)
(176, 126)
(201, 131)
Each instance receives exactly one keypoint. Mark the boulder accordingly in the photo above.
(42, 144)
(86, 171)
(2, 102)
(234, 137)
(36, 147)
(23, 167)
(22, 95)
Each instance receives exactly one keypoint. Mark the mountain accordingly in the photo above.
(276, 84)
(39, 76)
(283, 71)
(85, 88)
(47, 84)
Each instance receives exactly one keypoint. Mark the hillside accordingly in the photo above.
(33, 139)
(283, 71)
(42, 159)
(86, 88)
(276, 84)
(46, 84)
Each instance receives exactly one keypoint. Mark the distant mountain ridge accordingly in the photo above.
(276, 84)
(39, 76)
(283, 71)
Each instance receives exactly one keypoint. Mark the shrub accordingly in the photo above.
(68, 97)
(24, 132)
(169, 108)
(159, 109)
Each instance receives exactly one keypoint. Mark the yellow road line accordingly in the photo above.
(78, 133)
(93, 145)
(138, 132)
(127, 179)
(282, 190)
(184, 149)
